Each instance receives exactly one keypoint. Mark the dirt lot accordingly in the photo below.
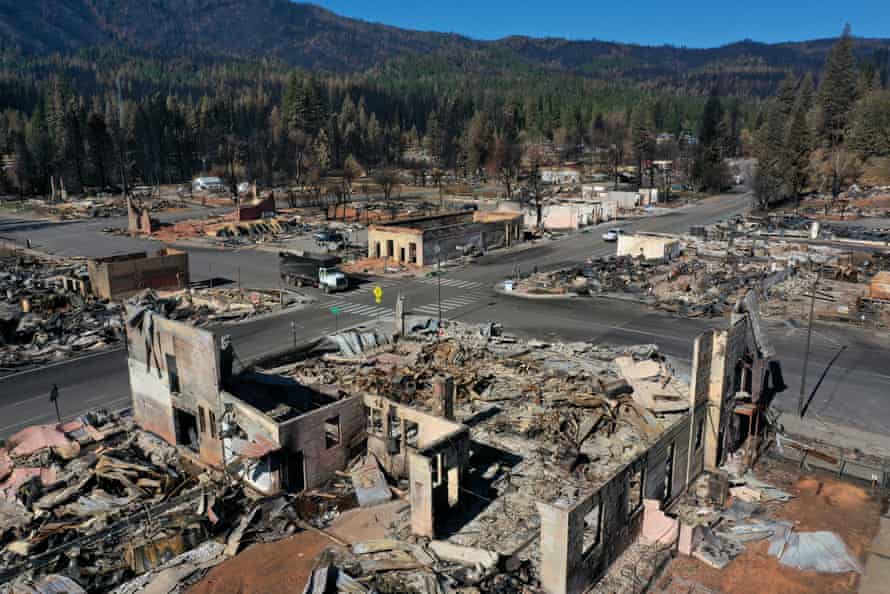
(283, 566)
(821, 502)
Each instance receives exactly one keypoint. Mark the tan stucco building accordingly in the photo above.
(414, 240)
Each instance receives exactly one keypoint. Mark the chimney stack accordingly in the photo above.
(443, 396)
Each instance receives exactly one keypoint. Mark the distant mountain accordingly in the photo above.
(312, 37)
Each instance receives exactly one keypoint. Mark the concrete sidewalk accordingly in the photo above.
(877, 567)
(837, 434)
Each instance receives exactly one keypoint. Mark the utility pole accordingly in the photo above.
(439, 285)
(806, 355)
(54, 398)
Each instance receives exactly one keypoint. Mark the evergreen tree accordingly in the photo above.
(40, 153)
(98, 148)
(788, 94)
(796, 151)
(870, 125)
(434, 140)
(770, 177)
(476, 143)
(837, 91)
(22, 172)
(709, 170)
(642, 139)
(806, 95)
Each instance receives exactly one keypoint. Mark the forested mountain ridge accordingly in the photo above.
(314, 38)
(106, 92)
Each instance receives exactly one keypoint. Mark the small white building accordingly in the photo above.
(651, 246)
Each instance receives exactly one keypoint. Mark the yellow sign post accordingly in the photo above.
(378, 294)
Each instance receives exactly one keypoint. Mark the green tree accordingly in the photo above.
(837, 91)
(770, 177)
(39, 145)
(870, 125)
(796, 152)
(788, 95)
(709, 170)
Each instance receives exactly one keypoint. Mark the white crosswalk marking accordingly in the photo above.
(359, 309)
(467, 295)
(369, 287)
(452, 282)
(449, 304)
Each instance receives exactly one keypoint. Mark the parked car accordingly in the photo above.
(328, 237)
(612, 234)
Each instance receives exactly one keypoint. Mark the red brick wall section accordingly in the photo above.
(252, 212)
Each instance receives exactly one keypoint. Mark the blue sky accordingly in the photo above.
(693, 23)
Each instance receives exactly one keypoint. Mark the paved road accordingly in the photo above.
(855, 391)
(85, 238)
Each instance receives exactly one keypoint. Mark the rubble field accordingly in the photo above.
(42, 321)
(45, 318)
(550, 423)
(101, 502)
(99, 206)
(96, 504)
(853, 204)
(721, 262)
(208, 305)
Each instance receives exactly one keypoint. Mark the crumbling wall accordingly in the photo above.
(435, 478)
(429, 450)
(138, 219)
(579, 541)
(680, 452)
(729, 346)
(395, 430)
(260, 209)
(706, 424)
(174, 366)
(394, 437)
(308, 434)
(119, 277)
(567, 566)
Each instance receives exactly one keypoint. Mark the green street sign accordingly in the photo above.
(335, 311)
